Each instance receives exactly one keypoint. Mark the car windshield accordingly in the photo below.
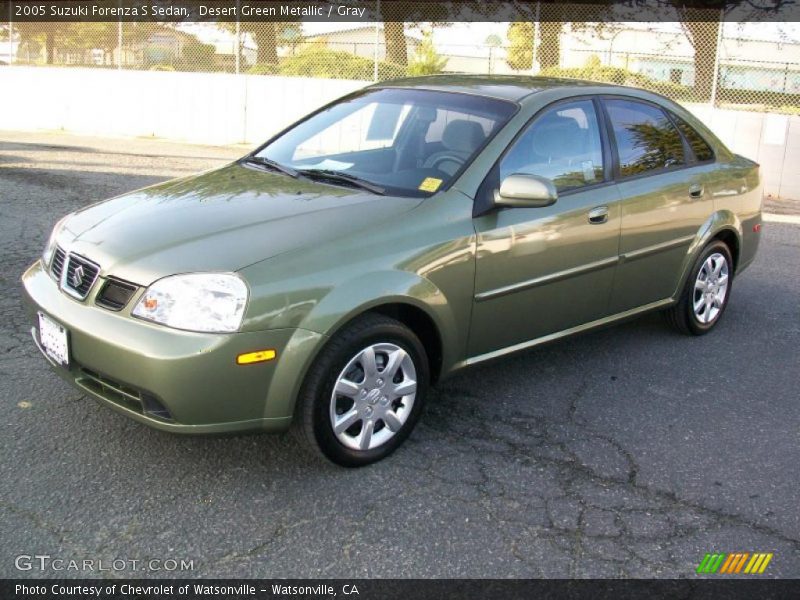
(398, 141)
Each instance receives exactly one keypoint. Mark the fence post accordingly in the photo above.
(536, 28)
(238, 39)
(119, 45)
(714, 82)
(377, 38)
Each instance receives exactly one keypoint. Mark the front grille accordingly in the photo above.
(57, 265)
(122, 394)
(80, 276)
(115, 294)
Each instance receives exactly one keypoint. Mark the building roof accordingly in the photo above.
(410, 36)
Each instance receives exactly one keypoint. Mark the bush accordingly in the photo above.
(520, 53)
(426, 61)
(263, 69)
(334, 64)
(197, 56)
(597, 72)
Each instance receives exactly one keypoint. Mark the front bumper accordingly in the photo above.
(177, 381)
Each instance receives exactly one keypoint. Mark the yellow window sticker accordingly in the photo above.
(430, 184)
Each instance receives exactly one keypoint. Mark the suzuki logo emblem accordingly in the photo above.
(77, 276)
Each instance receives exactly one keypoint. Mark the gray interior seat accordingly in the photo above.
(460, 139)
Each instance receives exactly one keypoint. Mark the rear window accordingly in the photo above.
(646, 138)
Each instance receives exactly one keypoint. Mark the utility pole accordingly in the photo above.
(714, 81)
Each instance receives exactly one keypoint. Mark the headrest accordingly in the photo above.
(558, 137)
(462, 135)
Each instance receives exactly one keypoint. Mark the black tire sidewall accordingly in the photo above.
(334, 358)
(695, 325)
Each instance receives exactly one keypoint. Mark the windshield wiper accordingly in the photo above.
(271, 164)
(338, 176)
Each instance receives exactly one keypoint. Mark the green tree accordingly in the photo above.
(267, 36)
(101, 36)
(702, 27)
(426, 60)
(394, 37)
(493, 40)
(548, 54)
(520, 51)
(702, 31)
(47, 35)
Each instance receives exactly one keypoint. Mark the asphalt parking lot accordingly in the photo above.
(628, 452)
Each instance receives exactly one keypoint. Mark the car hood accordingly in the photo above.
(222, 220)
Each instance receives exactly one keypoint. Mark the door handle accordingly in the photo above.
(598, 215)
(695, 190)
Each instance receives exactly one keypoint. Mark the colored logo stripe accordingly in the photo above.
(710, 563)
(734, 563)
(758, 563)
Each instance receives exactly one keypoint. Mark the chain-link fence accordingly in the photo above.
(725, 64)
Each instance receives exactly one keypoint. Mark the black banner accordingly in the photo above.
(368, 11)
(399, 589)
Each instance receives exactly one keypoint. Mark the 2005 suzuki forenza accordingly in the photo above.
(324, 281)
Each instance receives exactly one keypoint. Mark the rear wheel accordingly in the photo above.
(706, 292)
(364, 393)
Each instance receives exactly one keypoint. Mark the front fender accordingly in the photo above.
(372, 290)
(342, 304)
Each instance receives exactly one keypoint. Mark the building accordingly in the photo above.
(360, 41)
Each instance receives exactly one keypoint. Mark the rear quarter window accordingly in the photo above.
(702, 151)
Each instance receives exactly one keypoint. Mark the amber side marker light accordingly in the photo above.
(249, 358)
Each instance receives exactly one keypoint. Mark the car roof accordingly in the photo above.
(505, 87)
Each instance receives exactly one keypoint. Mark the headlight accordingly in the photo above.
(208, 302)
(50, 246)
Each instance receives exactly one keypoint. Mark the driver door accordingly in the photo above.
(543, 270)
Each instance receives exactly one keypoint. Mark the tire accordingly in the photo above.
(701, 306)
(365, 395)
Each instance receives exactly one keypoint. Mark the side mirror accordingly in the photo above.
(526, 191)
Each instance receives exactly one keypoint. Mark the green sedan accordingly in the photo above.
(325, 281)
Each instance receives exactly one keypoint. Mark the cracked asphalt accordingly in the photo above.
(627, 452)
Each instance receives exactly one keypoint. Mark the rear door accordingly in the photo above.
(544, 270)
(665, 200)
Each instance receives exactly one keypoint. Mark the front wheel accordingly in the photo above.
(706, 292)
(364, 392)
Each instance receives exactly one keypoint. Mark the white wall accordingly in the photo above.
(227, 109)
(195, 107)
(771, 139)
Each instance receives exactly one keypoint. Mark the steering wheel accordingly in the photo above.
(440, 157)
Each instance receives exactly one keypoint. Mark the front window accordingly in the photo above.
(408, 142)
(562, 144)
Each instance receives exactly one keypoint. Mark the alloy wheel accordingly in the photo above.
(710, 288)
(373, 396)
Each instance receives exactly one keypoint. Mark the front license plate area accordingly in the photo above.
(53, 338)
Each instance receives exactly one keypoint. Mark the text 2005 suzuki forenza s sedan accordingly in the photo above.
(390, 238)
